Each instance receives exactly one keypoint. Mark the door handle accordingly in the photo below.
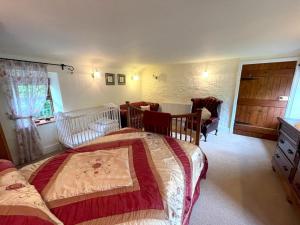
(283, 98)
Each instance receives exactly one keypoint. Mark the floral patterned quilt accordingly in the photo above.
(127, 178)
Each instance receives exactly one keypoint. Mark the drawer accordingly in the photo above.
(287, 146)
(296, 182)
(287, 129)
(283, 163)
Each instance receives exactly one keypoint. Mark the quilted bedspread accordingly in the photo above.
(128, 177)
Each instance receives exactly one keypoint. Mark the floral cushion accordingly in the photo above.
(9, 174)
(205, 114)
(20, 203)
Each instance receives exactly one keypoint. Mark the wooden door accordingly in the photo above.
(263, 96)
(4, 152)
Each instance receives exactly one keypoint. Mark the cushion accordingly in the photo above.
(146, 107)
(206, 114)
(20, 203)
(9, 174)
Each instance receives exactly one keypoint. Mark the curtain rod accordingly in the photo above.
(63, 66)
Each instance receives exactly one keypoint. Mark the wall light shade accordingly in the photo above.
(205, 74)
(135, 77)
(96, 74)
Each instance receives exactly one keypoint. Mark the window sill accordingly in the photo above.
(44, 121)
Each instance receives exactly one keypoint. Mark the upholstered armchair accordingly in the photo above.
(124, 110)
(213, 105)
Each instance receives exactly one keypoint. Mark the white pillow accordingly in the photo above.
(205, 115)
(146, 107)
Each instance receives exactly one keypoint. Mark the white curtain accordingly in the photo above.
(25, 86)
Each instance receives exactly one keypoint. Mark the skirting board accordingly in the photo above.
(51, 148)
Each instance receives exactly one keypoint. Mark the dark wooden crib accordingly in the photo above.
(182, 127)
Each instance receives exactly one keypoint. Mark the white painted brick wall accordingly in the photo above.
(179, 83)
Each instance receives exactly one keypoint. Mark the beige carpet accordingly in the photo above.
(241, 188)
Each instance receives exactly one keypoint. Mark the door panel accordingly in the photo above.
(263, 96)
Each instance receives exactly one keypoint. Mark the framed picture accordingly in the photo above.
(110, 78)
(121, 79)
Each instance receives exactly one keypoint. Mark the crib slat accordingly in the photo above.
(180, 128)
(185, 130)
(191, 130)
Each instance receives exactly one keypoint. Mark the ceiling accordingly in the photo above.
(148, 31)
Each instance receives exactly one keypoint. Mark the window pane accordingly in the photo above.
(47, 110)
(25, 90)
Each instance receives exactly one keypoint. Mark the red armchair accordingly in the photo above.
(124, 110)
(213, 105)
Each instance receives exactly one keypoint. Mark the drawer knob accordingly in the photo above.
(277, 156)
(285, 168)
(290, 152)
(281, 141)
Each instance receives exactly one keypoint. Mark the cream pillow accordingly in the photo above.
(146, 107)
(205, 115)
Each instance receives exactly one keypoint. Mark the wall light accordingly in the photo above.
(205, 74)
(135, 77)
(155, 76)
(96, 74)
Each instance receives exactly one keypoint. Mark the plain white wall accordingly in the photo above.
(294, 106)
(80, 90)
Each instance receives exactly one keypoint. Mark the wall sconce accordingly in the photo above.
(155, 76)
(135, 77)
(205, 74)
(96, 74)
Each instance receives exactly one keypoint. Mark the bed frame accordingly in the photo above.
(178, 125)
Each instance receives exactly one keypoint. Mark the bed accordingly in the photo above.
(145, 178)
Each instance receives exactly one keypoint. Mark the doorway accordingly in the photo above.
(263, 96)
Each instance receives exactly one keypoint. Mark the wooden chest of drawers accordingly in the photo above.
(296, 181)
(286, 157)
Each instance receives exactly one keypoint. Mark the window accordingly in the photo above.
(47, 111)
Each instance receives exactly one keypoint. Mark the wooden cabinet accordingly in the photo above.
(296, 181)
(4, 152)
(286, 157)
